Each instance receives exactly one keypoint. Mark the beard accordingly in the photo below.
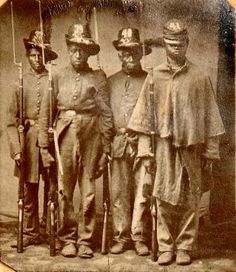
(130, 68)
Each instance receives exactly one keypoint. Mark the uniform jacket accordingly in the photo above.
(125, 91)
(187, 123)
(34, 87)
(87, 94)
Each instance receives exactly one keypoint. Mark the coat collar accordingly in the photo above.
(32, 72)
(165, 67)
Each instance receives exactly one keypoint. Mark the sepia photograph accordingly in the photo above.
(117, 136)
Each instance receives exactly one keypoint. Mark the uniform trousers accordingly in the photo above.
(31, 206)
(177, 225)
(128, 217)
(31, 216)
(73, 172)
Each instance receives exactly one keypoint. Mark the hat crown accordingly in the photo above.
(175, 27)
(128, 35)
(36, 37)
(78, 31)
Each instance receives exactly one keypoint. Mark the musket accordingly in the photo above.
(106, 207)
(22, 143)
(153, 206)
(51, 171)
(106, 171)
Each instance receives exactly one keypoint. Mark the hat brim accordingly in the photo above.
(91, 47)
(49, 54)
(180, 37)
(132, 46)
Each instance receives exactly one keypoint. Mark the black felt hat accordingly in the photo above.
(128, 38)
(36, 40)
(80, 34)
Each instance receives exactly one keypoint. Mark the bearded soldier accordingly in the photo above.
(35, 85)
(83, 125)
(187, 128)
(125, 87)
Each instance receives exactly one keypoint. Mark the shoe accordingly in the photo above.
(58, 244)
(85, 251)
(165, 257)
(118, 248)
(141, 249)
(69, 250)
(183, 257)
(28, 241)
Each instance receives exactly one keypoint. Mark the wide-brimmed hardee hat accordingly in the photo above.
(175, 29)
(80, 34)
(128, 38)
(37, 40)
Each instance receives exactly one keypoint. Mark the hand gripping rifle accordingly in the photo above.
(22, 143)
(153, 206)
(106, 207)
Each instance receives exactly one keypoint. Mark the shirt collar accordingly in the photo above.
(85, 69)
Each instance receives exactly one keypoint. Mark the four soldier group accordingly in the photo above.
(98, 120)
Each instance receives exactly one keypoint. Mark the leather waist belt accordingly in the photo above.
(72, 113)
(31, 122)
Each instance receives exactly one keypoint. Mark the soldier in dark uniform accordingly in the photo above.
(83, 124)
(35, 85)
(128, 219)
(187, 127)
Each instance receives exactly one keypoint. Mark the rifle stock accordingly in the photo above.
(106, 206)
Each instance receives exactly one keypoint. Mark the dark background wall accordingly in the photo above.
(206, 49)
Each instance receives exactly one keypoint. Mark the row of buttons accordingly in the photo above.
(76, 93)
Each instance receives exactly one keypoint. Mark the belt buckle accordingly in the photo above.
(122, 130)
(70, 113)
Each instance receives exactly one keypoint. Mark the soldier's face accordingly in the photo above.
(176, 49)
(35, 60)
(130, 59)
(78, 56)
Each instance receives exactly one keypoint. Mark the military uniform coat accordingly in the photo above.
(187, 124)
(87, 94)
(34, 86)
(125, 91)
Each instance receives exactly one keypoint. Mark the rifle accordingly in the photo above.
(51, 171)
(21, 132)
(153, 206)
(106, 207)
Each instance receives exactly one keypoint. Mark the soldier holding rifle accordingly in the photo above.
(125, 85)
(35, 81)
(82, 133)
(187, 129)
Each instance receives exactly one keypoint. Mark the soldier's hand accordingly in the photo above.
(207, 164)
(17, 159)
(149, 164)
(47, 158)
(101, 165)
